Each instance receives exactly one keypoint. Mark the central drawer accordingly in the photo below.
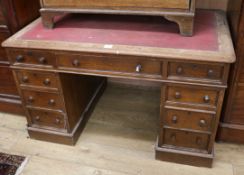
(51, 101)
(180, 4)
(98, 64)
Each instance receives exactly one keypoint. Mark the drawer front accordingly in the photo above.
(2, 20)
(122, 65)
(237, 109)
(47, 119)
(4, 34)
(195, 71)
(32, 58)
(7, 83)
(188, 120)
(30, 78)
(241, 79)
(185, 139)
(241, 76)
(43, 100)
(191, 95)
(120, 4)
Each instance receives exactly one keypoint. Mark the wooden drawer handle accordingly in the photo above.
(37, 118)
(174, 119)
(210, 73)
(206, 99)
(194, 66)
(20, 58)
(51, 102)
(179, 70)
(177, 95)
(25, 79)
(47, 82)
(202, 123)
(76, 63)
(42, 60)
(138, 68)
(58, 121)
(30, 99)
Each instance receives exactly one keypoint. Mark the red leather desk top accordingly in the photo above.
(129, 30)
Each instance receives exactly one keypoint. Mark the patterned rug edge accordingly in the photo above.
(12, 164)
(22, 166)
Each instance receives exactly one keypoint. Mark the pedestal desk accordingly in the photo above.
(61, 73)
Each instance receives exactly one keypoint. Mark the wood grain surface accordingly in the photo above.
(212, 4)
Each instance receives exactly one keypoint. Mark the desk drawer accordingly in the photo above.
(185, 139)
(32, 58)
(192, 95)
(241, 76)
(47, 119)
(177, 70)
(134, 66)
(4, 34)
(2, 20)
(188, 120)
(43, 100)
(118, 4)
(38, 79)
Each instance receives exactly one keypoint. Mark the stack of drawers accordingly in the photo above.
(54, 104)
(190, 111)
(41, 92)
(43, 99)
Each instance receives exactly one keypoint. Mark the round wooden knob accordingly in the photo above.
(51, 102)
(20, 58)
(194, 66)
(179, 70)
(210, 73)
(47, 82)
(42, 60)
(76, 63)
(206, 99)
(174, 119)
(177, 95)
(30, 99)
(138, 68)
(202, 123)
(198, 141)
(37, 118)
(25, 79)
(58, 121)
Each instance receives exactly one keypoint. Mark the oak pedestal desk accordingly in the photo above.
(60, 74)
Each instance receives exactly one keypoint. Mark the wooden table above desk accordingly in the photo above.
(60, 73)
